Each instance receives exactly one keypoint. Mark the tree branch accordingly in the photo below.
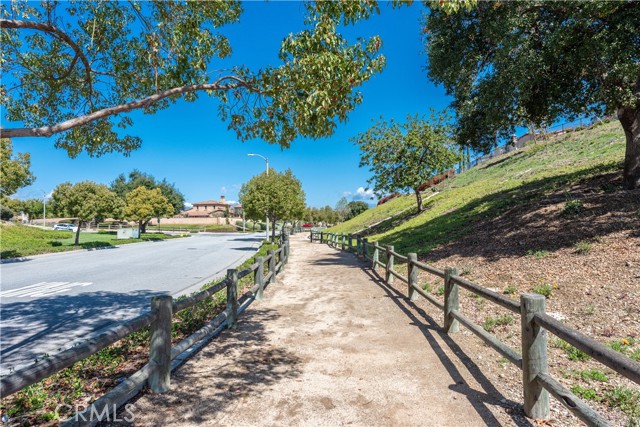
(50, 29)
(142, 103)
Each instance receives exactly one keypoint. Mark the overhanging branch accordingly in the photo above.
(142, 103)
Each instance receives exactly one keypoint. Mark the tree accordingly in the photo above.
(87, 201)
(342, 208)
(355, 208)
(122, 186)
(33, 207)
(404, 156)
(14, 170)
(73, 68)
(279, 196)
(143, 204)
(509, 64)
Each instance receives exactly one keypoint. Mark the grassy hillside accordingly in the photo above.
(492, 188)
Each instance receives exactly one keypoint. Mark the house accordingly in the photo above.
(207, 209)
(236, 210)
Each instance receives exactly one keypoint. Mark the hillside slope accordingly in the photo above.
(553, 219)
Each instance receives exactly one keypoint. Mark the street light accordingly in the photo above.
(266, 214)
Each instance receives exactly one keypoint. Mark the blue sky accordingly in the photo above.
(190, 146)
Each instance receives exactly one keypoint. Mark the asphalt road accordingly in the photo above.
(49, 302)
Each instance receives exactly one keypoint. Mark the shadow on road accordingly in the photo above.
(27, 333)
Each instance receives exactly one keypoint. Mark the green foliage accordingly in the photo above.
(33, 207)
(86, 201)
(538, 253)
(440, 290)
(572, 352)
(543, 289)
(97, 56)
(143, 204)
(593, 374)
(573, 207)
(491, 322)
(627, 400)
(355, 208)
(276, 195)
(585, 392)
(583, 247)
(123, 185)
(510, 290)
(507, 64)
(6, 214)
(14, 170)
(403, 156)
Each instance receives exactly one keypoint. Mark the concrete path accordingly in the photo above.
(328, 346)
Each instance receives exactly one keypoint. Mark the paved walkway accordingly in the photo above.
(328, 346)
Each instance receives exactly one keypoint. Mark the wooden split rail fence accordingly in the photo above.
(536, 382)
(156, 373)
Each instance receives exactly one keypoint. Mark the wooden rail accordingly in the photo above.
(156, 373)
(537, 383)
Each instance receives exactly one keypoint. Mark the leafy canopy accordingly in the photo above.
(403, 156)
(14, 170)
(143, 204)
(72, 68)
(123, 185)
(278, 195)
(513, 63)
(355, 208)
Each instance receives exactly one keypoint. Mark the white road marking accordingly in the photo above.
(42, 289)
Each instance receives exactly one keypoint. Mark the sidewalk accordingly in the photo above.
(328, 346)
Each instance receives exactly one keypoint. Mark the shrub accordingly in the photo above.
(538, 253)
(5, 213)
(510, 290)
(491, 322)
(582, 248)
(440, 291)
(544, 289)
(573, 207)
(584, 392)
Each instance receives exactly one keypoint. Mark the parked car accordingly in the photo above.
(63, 226)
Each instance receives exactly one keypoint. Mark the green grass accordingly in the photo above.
(572, 353)
(491, 322)
(587, 393)
(539, 253)
(20, 240)
(490, 189)
(544, 289)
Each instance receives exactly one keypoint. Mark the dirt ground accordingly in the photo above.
(330, 345)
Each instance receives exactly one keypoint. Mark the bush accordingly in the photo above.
(5, 213)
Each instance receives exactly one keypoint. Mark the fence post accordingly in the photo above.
(412, 275)
(321, 236)
(358, 245)
(287, 249)
(343, 241)
(160, 348)
(272, 265)
(534, 356)
(389, 265)
(311, 235)
(232, 297)
(451, 301)
(349, 242)
(365, 241)
(258, 277)
(375, 257)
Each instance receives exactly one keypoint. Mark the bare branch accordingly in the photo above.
(142, 103)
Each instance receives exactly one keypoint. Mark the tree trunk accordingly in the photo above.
(143, 226)
(418, 199)
(77, 241)
(273, 229)
(630, 121)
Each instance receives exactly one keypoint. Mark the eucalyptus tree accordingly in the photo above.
(403, 156)
(74, 69)
(277, 195)
(87, 201)
(512, 63)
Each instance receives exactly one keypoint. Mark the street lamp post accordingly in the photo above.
(266, 213)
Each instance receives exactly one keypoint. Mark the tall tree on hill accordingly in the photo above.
(511, 63)
(403, 156)
(123, 185)
(355, 208)
(74, 69)
(276, 195)
(87, 201)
